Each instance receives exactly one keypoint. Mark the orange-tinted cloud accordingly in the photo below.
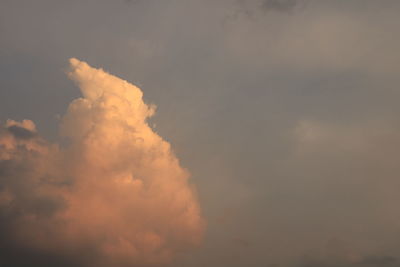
(115, 196)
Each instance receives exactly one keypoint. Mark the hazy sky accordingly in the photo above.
(285, 113)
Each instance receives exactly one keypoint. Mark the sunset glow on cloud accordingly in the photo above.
(116, 191)
(272, 142)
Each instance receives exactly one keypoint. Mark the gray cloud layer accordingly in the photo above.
(286, 112)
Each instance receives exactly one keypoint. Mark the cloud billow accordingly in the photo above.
(115, 196)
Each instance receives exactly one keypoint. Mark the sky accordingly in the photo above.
(184, 133)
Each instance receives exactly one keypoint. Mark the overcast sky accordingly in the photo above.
(285, 112)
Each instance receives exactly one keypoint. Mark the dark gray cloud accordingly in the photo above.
(380, 261)
(254, 9)
(20, 132)
(133, 2)
(279, 5)
(368, 261)
(25, 201)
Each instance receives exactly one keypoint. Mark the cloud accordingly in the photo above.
(370, 261)
(115, 196)
(347, 174)
(279, 5)
(252, 9)
(380, 261)
(338, 253)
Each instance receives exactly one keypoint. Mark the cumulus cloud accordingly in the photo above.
(116, 195)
